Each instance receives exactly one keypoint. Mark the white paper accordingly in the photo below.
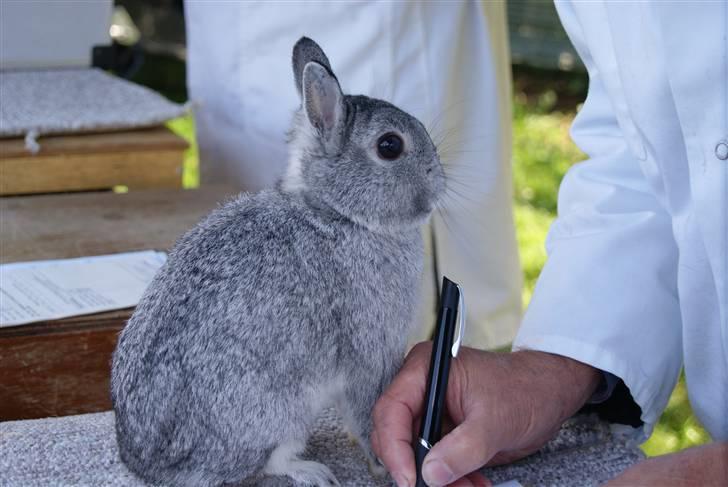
(52, 289)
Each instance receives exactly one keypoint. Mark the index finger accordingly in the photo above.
(395, 413)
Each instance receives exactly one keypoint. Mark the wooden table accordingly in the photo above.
(137, 159)
(61, 367)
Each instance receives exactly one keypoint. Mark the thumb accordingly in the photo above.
(464, 450)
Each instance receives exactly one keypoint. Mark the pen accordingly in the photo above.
(443, 350)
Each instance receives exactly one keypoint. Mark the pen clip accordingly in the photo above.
(461, 322)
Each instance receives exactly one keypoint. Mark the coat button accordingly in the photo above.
(721, 151)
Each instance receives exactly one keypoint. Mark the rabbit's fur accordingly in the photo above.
(281, 303)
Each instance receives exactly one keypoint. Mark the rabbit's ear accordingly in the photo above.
(323, 101)
(304, 52)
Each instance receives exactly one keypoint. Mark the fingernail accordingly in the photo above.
(436, 473)
(401, 480)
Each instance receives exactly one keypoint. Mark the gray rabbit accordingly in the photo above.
(281, 303)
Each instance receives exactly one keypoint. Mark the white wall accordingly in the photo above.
(47, 33)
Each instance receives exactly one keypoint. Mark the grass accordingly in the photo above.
(185, 128)
(678, 428)
(542, 153)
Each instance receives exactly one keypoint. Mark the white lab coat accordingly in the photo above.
(446, 63)
(635, 282)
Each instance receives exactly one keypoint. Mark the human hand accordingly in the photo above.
(704, 465)
(503, 406)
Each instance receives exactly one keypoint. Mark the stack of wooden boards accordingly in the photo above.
(83, 129)
(67, 137)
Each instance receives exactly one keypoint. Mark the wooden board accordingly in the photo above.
(61, 367)
(56, 374)
(84, 224)
(149, 158)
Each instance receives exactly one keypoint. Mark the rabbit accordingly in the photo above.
(282, 303)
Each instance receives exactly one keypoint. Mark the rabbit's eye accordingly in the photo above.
(390, 146)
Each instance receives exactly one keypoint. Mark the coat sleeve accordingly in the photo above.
(607, 295)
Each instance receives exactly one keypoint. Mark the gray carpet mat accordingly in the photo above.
(77, 100)
(81, 451)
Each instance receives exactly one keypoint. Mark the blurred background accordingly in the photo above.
(549, 84)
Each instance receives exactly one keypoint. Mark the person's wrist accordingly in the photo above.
(569, 380)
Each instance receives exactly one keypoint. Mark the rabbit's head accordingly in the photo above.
(362, 157)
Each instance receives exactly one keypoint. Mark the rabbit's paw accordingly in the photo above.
(352, 439)
(284, 461)
(312, 473)
(376, 468)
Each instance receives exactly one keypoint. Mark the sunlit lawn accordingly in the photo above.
(185, 127)
(542, 152)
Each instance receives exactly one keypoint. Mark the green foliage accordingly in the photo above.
(542, 153)
(678, 428)
(532, 225)
(185, 128)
